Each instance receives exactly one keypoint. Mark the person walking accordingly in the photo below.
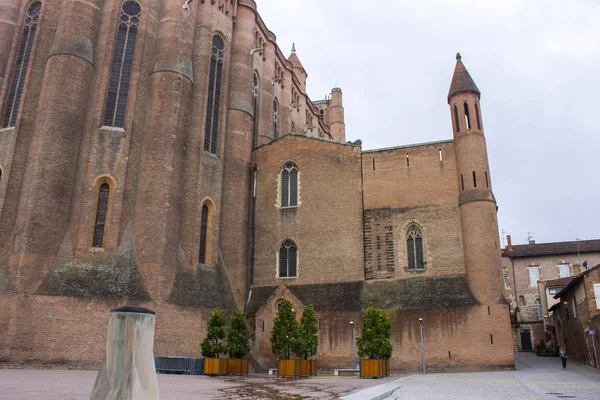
(563, 357)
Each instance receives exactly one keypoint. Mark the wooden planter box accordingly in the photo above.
(374, 368)
(215, 366)
(308, 367)
(237, 366)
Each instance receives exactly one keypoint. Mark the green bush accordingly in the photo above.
(212, 345)
(307, 341)
(374, 341)
(285, 331)
(238, 336)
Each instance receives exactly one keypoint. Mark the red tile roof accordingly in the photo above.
(545, 249)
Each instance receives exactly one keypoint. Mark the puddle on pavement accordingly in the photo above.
(276, 389)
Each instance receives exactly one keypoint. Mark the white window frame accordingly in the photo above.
(597, 295)
(505, 274)
(561, 270)
(533, 282)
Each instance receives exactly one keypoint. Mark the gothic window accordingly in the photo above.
(118, 88)
(275, 118)
(15, 90)
(289, 186)
(255, 109)
(467, 116)
(322, 114)
(203, 234)
(287, 260)
(100, 216)
(414, 246)
(456, 118)
(211, 132)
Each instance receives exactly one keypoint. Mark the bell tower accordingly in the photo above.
(476, 201)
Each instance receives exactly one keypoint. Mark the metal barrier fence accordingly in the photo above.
(179, 365)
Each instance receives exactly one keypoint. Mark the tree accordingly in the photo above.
(285, 330)
(307, 340)
(374, 341)
(238, 336)
(212, 344)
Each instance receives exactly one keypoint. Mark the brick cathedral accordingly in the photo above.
(171, 158)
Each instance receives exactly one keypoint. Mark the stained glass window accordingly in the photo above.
(100, 216)
(211, 132)
(289, 186)
(203, 234)
(15, 90)
(118, 88)
(287, 260)
(414, 247)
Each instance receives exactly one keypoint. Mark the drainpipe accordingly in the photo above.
(252, 237)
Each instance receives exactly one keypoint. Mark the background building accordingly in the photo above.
(576, 317)
(549, 265)
(173, 159)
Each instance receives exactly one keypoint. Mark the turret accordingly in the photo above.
(337, 127)
(476, 201)
(299, 70)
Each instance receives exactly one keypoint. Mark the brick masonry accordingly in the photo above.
(350, 224)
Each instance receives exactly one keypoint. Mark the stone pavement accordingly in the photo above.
(77, 385)
(534, 378)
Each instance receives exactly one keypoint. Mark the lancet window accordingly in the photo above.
(211, 132)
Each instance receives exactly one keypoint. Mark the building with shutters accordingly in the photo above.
(171, 158)
(533, 274)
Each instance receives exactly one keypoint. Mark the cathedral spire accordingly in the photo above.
(461, 80)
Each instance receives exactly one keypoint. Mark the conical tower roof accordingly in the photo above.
(461, 80)
(293, 58)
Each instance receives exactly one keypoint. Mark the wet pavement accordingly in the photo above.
(77, 385)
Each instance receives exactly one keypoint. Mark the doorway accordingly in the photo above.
(526, 340)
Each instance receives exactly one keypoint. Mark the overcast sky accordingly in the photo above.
(536, 63)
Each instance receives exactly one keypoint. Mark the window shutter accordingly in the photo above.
(597, 295)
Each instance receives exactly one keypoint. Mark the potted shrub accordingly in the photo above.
(212, 346)
(374, 344)
(544, 350)
(238, 347)
(283, 337)
(307, 341)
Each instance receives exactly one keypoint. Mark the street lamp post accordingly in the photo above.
(353, 348)
(422, 345)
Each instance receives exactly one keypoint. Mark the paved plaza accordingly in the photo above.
(535, 378)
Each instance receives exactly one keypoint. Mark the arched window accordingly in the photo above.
(15, 90)
(100, 216)
(287, 260)
(118, 89)
(289, 186)
(203, 234)
(456, 118)
(467, 116)
(275, 118)
(255, 109)
(477, 115)
(211, 132)
(414, 246)
(292, 126)
(322, 114)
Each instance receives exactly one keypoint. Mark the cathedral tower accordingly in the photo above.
(336, 115)
(476, 201)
